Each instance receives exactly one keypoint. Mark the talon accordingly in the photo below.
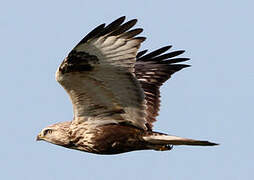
(166, 148)
(170, 147)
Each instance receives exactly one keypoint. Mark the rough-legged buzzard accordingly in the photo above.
(115, 93)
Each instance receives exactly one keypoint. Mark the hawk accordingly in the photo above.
(114, 90)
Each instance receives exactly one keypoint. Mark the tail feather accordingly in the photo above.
(162, 139)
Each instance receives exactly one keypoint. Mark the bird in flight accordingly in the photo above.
(114, 90)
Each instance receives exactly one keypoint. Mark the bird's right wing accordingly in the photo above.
(98, 74)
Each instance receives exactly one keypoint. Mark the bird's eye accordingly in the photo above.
(47, 131)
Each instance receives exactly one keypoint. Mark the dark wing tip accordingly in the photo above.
(132, 33)
(141, 39)
(132, 22)
(161, 56)
(92, 34)
(117, 21)
(121, 19)
(124, 27)
(115, 28)
(112, 26)
(181, 66)
(168, 55)
(154, 53)
(176, 60)
(141, 53)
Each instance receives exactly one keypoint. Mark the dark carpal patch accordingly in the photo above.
(78, 62)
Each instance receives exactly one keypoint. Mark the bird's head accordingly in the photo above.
(56, 134)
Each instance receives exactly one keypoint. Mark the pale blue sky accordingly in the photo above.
(212, 100)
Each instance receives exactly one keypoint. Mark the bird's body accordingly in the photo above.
(108, 139)
(115, 138)
(115, 93)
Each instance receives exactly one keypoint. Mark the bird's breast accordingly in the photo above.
(107, 139)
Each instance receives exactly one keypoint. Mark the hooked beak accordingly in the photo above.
(38, 138)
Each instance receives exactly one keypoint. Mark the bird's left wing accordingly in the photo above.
(152, 70)
(98, 74)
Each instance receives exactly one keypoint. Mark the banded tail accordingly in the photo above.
(162, 140)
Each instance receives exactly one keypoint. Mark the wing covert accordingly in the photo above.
(98, 75)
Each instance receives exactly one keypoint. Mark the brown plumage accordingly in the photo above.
(115, 93)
